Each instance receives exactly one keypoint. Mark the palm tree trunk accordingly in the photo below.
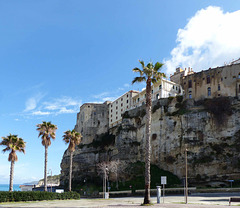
(45, 168)
(11, 176)
(70, 171)
(148, 147)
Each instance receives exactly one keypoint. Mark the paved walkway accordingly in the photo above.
(194, 201)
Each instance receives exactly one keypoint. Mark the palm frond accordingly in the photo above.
(150, 65)
(136, 69)
(73, 138)
(142, 63)
(13, 143)
(158, 66)
(138, 79)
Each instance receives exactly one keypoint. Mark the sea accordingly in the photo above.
(5, 187)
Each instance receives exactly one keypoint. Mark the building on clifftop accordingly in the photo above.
(215, 82)
(91, 120)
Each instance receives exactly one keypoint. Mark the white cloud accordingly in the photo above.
(32, 102)
(101, 95)
(62, 105)
(209, 39)
(40, 113)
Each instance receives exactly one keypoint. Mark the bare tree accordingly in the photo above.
(116, 167)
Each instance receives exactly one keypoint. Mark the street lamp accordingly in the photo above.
(186, 181)
(51, 177)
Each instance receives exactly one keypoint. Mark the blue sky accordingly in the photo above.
(57, 55)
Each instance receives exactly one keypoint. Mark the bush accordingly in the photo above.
(16, 196)
(137, 181)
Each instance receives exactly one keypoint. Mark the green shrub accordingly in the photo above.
(137, 172)
(102, 140)
(16, 196)
(179, 98)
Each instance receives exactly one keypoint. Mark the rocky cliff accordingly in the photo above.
(208, 129)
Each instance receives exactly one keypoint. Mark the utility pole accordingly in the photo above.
(186, 181)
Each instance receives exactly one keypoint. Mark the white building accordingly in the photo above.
(119, 106)
(162, 89)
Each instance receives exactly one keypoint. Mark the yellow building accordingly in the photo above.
(215, 82)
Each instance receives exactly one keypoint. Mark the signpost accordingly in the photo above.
(163, 182)
(231, 181)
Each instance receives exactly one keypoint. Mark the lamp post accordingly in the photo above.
(105, 182)
(186, 181)
(51, 177)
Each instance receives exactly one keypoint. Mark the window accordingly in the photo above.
(239, 76)
(111, 115)
(111, 106)
(173, 86)
(176, 88)
(127, 101)
(116, 107)
(116, 113)
(190, 94)
(152, 91)
(219, 87)
(145, 95)
(121, 99)
(160, 87)
(121, 110)
(121, 104)
(221, 79)
(138, 99)
(116, 102)
(127, 95)
(208, 79)
(157, 96)
(190, 84)
(111, 111)
(127, 106)
(116, 117)
(209, 91)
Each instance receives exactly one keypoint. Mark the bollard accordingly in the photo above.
(158, 194)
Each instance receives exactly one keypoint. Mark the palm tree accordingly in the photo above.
(13, 143)
(73, 138)
(46, 131)
(149, 74)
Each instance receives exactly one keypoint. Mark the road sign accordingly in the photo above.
(163, 180)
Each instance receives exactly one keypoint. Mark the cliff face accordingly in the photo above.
(209, 129)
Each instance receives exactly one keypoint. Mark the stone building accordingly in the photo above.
(162, 89)
(215, 82)
(211, 83)
(119, 106)
(91, 120)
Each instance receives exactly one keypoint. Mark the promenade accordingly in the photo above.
(210, 200)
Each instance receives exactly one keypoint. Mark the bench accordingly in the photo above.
(234, 199)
